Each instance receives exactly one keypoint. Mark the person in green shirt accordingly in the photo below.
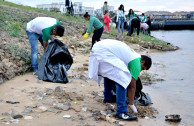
(42, 29)
(94, 22)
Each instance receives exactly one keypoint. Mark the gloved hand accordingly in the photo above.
(85, 35)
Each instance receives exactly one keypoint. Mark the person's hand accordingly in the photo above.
(85, 36)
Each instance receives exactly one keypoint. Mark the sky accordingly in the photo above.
(141, 5)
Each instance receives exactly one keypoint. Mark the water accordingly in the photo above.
(177, 68)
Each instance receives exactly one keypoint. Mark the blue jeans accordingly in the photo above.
(33, 39)
(120, 95)
(120, 25)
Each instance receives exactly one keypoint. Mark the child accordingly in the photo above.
(107, 20)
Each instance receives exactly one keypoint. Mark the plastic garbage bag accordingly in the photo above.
(54, 63)
(140, 98)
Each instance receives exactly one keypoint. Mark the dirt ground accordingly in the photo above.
(45, 103)
(78, 102)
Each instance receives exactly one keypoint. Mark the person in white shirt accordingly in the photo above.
(121, 18)
(120, 66)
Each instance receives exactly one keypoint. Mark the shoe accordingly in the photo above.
(34, 73)
(126, 116)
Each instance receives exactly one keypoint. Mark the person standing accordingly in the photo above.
(105, 7)
(121, 18)
(94, 22)
(149, 24)
(42, 29)
(130, 16)
(143, 18)
(107, 20)
(120, 66)
(68, 5)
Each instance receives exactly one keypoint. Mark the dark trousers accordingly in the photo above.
(97, 35)
(135, 23)
(120, 94)
(149, 32)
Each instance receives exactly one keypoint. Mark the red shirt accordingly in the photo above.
(106, 18)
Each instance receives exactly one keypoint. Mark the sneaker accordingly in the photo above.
(126, 116)
(34, 73)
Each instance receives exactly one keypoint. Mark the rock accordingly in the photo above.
(103, 117)
(109, 111)
(14, 121)
(62, 107)
(103, 113)
(26, 111)
(85, 64)
(51, 109)
(42, 108)
(15, 114)
(28, 117)
(47, 103)
(5, 114)
(146, 117)
(84, 109)
(76, 108)
(33, 106)
(67, 116)
(83, 77)
(37, 116)
(121, 123)
(59, 89)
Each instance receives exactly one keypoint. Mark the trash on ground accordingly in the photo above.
(173, 118)
(11, 102)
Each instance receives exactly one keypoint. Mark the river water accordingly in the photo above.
(175, 95)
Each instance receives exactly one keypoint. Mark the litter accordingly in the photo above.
(173, 118)
(11, 102)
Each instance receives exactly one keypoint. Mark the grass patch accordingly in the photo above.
(59, 16)
(22, 54)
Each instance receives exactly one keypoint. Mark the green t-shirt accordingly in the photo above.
(135, 67)
(46, 33)
(94, 22)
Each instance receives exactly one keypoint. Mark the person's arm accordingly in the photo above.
(90, 26)
(46, 35)
(117, 16)
(45, 45)
(131, 91)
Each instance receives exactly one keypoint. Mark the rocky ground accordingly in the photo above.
(76, 103)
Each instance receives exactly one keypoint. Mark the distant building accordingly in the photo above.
(79, 9)
(54, 6)
(165, 15)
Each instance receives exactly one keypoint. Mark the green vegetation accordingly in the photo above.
(20, 54)
(14, 19)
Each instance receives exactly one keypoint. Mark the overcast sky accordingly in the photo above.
(141, 5)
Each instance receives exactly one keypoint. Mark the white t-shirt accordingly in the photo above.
(115, 60)
(42, 26)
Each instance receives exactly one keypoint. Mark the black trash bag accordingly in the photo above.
(140, 98)
(54, 63)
